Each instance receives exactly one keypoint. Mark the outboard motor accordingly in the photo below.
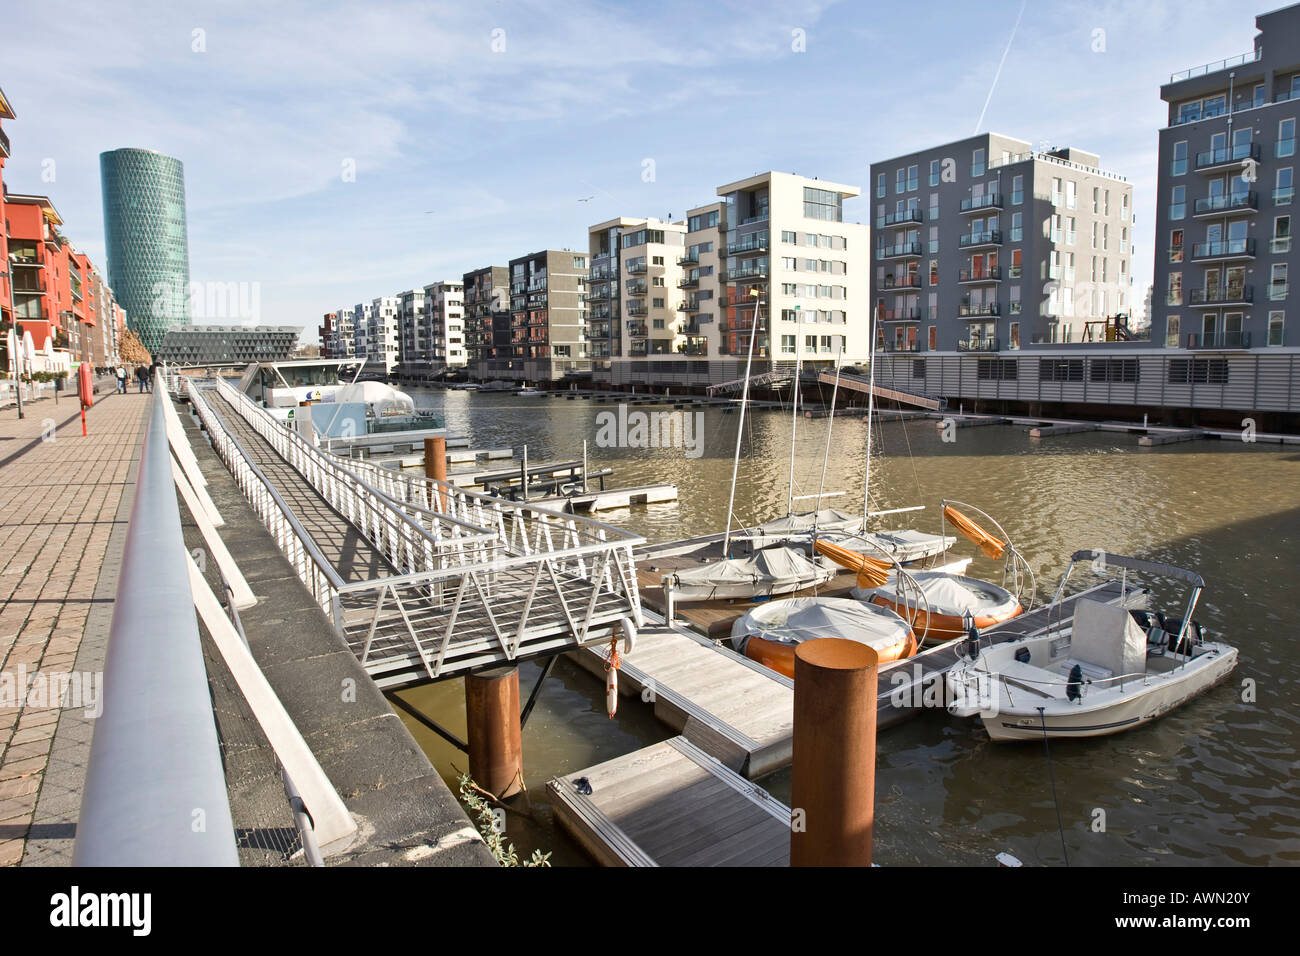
(972, 636)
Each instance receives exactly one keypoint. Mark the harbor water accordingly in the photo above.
(1214, 783)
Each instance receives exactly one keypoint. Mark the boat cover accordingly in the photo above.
(826, 519)
(955, 594)
(764, 569)
(796, 620)
(901, 544)
(1105, 635)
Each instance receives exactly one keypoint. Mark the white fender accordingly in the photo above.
(629, 634)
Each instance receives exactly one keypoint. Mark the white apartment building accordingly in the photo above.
(444, 323)
(412, 338)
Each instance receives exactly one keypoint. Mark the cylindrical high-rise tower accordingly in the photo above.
(148, 245)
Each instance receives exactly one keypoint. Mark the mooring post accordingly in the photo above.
(833, 775)
(435, 466)
(496, 752)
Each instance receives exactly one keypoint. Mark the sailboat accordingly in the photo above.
(764, 573)
(844, 528)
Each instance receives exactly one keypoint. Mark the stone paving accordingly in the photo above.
(62, 498)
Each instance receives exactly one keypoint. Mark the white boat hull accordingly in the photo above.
(742, 590)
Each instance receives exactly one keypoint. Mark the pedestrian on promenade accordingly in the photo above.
(142, 378)
(121, 380)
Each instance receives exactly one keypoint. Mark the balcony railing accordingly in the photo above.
(978, 311)
(1211, 158)
(1227, 249)
(1232, 295)
(901, 282)
(637, 329)
(637, 308)
(636, 268)
(733, 275)
(898, 251)
(979, 345)
(1232, 202)
(902, 346)
(1208, 68)
(690, 259)
(987, 201)
(899, 218)
(989, 237)
(902, 315)
(636, 288)
(690, 282)
(748, 244)
(1219, 340)
(980, 275)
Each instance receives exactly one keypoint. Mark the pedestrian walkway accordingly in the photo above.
(64, 504)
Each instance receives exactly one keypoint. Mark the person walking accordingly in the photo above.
(121, 380)
(142, 378)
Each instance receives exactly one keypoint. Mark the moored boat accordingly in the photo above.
(770, 633)
(1099, 669)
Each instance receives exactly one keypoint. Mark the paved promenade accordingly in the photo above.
(64, 505)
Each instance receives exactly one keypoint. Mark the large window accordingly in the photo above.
(913, 183)
(880, 185)
(1198, 371)
(1275, 323)
(977, 163)
(934, 173)
(823, 204)
(1171, 332)
(1178, 203)
(1285, 138)
(1284, 190)
(1017, 190)
(1176, 245)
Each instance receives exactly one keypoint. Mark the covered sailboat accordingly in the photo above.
(762, 574)
(950, 597)
(770, 633)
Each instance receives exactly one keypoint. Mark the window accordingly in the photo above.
(656, 260)
(1176, 245)
(977, 163)
(1069, 267)
(787, 344)
(934, 338)
(1284, 191)
(1123, 239)
(1281, 235)
(790, 237)
(810, 343)
(1258, 99)
(934, 239)
(1178, 203)
(1277, 286)
(1060, 370)
(1196, 371)
(822, 204)
(1056, 191)
(993, 370)
(1015, 335)
(658, 303)
(1017, 190)
(1113, 370)
(1175, 294)
(912, 182)
(934, 272)
(900, 181)
(1094, 235)
(1017, 227)
(1015, 300)
(1096, 197)
(934, 173)
(1171, 332)
(1285, 138)
(934, 206)
(1105, 235)
(1071, 201)
(1016, 263)
(1069, 230)
(1275, 322)
(880, 185)
(918, 367)
(657, 323)
(1123, 209)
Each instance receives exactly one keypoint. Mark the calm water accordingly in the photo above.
(1214, 783)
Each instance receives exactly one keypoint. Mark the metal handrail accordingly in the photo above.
(155, 792)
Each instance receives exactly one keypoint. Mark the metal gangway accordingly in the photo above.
(463, 580)
(857, 383)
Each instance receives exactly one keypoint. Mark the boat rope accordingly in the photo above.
(1052, 777)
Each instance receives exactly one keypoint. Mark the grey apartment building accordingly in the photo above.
(487, 321)
(547, 315)
(1227, 187)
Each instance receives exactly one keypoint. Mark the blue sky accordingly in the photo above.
(468, 156)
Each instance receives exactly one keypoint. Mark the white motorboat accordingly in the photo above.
(1100, 669)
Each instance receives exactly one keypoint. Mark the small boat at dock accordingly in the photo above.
(770, 633)
(1099, 670)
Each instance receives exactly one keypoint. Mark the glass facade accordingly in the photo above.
(146, 239)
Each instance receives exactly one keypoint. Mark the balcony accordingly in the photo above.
(987, 310)
(902, 347)
(979, 345)
(976, 203)
(1215, 67)
(906, 250)
(1213, 160)
(976, 276)
(690, 282)
(1212, 298)
(637, 289)
(901, 282)
(600, 275)
(976, 240)
(637, 330)
(749, 244)
(690, 305)
(741, 274)
(636, 268)
(1219, 340)
(901, 315)
(905, 217)
(1231, 204)
(637, 308)
(690, 259)
(1223, 251)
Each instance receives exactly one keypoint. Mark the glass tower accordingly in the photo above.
(146, 238)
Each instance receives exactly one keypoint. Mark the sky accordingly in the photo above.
(337, 152)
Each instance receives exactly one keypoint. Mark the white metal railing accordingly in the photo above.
(478, 577)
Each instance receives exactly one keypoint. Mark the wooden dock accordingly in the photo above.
(671, 804)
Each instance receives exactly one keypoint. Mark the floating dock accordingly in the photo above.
(671, 804)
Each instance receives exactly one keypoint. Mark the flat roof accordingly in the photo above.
(760, 178)
(47, 207)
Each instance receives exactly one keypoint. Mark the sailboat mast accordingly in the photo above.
(740, 429)
(794, 404)
(830, 423)
(872, 318)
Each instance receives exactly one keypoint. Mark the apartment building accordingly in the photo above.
(786, 237)
(486, 317)
(547, 315)
(382, 330)
(988, 245)
(634, 296)
(413, 345)
(1224, 248)
(444, 324)
(361, 331)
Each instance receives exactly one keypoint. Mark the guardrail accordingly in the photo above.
(155, 762)
(479, 579)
